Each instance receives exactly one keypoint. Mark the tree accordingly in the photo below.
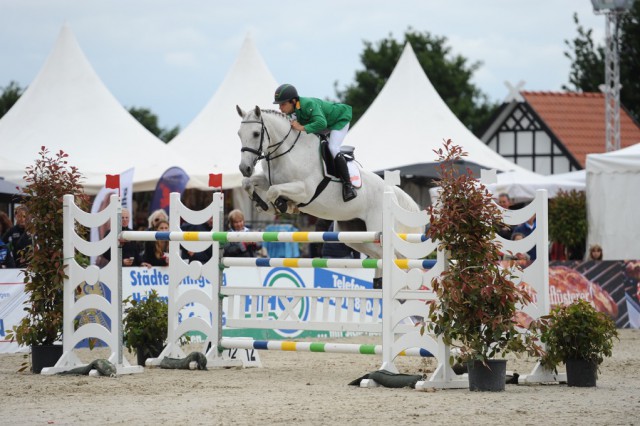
(150, 121)
(588, 59)
(10, 95)
(450, 75)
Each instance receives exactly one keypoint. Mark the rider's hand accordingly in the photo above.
(297, 126)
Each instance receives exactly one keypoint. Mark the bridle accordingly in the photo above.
(269, 155)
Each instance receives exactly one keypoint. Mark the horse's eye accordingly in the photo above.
(256, 134)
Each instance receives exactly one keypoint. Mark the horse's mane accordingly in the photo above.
(276, 113)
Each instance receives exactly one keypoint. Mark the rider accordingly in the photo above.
(314, 115)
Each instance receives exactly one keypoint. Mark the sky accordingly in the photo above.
(170, 56)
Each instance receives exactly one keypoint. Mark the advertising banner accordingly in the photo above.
(610, 286)
(12, 298)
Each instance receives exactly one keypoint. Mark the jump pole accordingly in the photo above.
(324, 263)
(265, 237)
(294, 346)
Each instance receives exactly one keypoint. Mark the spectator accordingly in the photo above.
(5, 223)
(155, 217)
(522, 259)
(595, 252)
(526, 229)
(505, 230)
(157, 252)
(202, 256)
(17, 238)
(236, 224)
(130, 249)
(6, 258)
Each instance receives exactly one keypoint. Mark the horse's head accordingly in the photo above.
(262, 133)
(252, 137)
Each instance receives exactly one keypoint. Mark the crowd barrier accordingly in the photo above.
(406, 278)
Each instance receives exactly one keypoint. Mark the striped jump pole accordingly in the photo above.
(254, 237)
(343, 348)
(324, 263)
(261, 237)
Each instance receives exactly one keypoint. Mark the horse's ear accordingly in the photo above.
(240, 111)
(257, 111)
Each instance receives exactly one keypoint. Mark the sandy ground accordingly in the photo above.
(309, 388)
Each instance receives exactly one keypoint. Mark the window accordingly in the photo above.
(506, 143)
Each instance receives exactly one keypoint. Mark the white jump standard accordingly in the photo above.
(406, 276)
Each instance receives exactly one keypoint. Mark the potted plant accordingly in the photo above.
(580, 337)
(48, 180)
(145, 326)
(476, 298)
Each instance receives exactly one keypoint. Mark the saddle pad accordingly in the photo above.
(354, 173)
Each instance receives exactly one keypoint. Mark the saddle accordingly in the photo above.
(327, 158)
(329, 166)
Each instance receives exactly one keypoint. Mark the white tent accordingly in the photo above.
(613, 204)
(408, 120)
(523, 186)
(211, 138)
(67, 107)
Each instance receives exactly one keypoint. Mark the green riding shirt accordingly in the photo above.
(317, 115)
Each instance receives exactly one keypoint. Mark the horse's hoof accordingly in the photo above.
(281, 205)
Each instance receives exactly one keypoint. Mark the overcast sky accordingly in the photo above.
(170, 56)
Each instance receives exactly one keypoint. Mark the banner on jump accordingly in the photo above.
(610, 286)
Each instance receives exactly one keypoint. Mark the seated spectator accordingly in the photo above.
(5, 223)
(505, 230)
(526, 229)
(522, 259)
(17, 238)
(130, 249)
(236, 224)
(202, 256)
(156, 253)
(595, 252)
(6, 258)
(155, 217)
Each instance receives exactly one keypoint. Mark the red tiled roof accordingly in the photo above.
(578, 120)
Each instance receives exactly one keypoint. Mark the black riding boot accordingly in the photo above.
(342, 170)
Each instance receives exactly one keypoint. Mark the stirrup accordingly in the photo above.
(348, 192)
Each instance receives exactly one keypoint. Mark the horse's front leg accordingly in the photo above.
(256, 186)
(295, 192)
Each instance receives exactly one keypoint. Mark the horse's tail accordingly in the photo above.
(406, 202)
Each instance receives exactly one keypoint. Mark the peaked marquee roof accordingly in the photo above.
(408, 120)
(212, 137)
(67, 107)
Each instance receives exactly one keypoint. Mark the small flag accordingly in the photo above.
(215, 180)
(113, 182)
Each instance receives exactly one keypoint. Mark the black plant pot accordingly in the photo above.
(151, 352)
(581, 373)
(44, 356)
(491, 377)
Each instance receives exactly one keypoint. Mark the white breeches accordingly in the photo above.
(335, 139)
